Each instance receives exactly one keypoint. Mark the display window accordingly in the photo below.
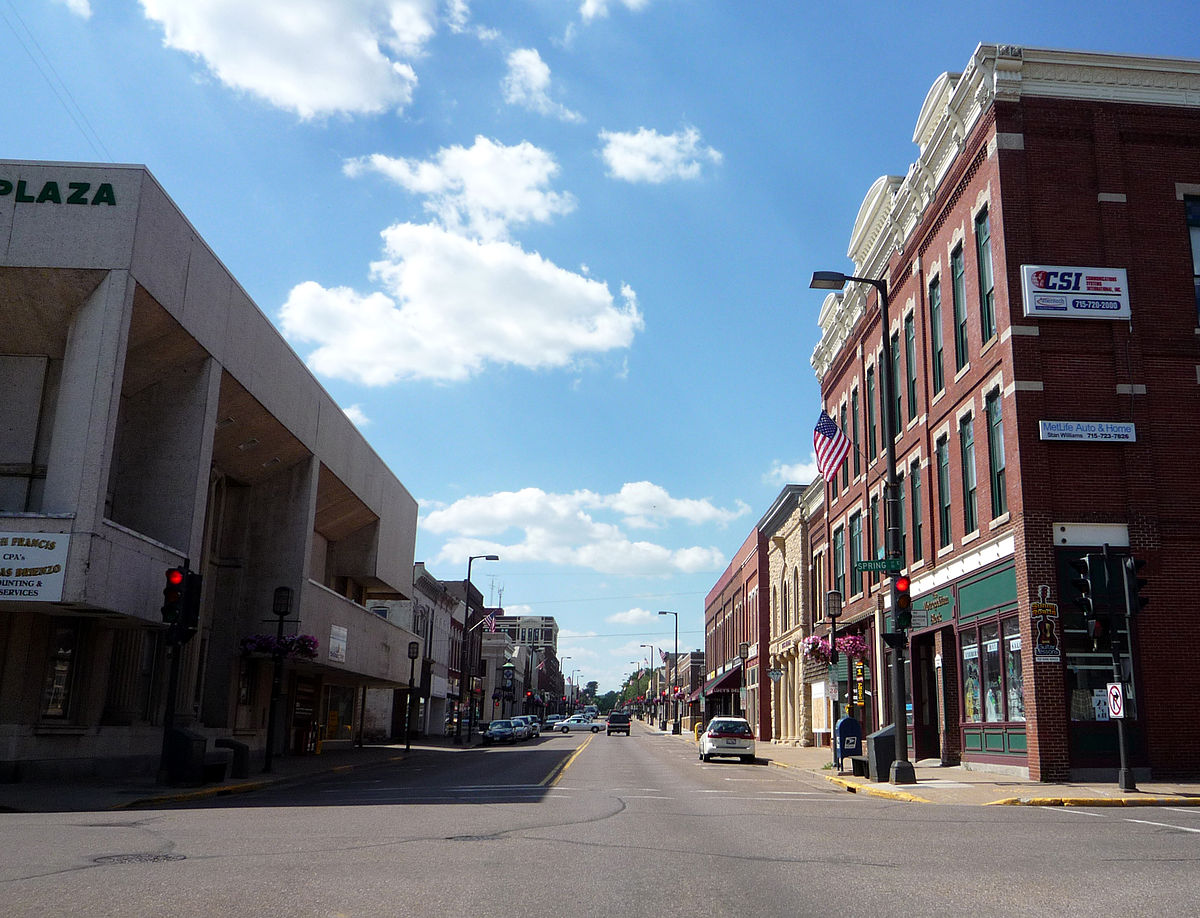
(993, 688)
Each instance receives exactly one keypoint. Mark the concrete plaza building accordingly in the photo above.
(152, 417)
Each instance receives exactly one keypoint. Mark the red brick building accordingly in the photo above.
(736, 638)
(1043, 262)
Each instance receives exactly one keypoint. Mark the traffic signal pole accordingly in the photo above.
(1125, 780)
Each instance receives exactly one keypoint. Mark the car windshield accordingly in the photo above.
(730, 726)
(501, 724)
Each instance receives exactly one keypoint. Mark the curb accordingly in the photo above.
(225, 790)
(857, 788)
(1096, 801)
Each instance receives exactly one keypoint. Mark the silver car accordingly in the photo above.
(531, 722)
(577, 722)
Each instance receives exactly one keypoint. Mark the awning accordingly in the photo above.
(726, 682)
(695, 696)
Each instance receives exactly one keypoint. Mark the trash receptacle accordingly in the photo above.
(240, 767)
(847, 733)
(881, 752)
(185, 757)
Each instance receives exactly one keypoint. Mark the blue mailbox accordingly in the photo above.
(847, 738)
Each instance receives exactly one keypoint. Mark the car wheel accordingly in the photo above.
(595, 729)
(748, 759)
(566, 729)
(704, 757)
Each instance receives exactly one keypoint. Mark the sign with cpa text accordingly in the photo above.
(33, 566)
(1088, 431)
(1054, 291)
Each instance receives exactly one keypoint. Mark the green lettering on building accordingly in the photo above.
(51, 194)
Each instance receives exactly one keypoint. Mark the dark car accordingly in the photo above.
(499, 731)
(618, 722)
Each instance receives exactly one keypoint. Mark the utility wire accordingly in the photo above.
(73, 109)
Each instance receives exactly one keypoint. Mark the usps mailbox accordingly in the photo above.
(847, 737)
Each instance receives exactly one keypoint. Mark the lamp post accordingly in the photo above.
(467, 666)
(902, 769)
(561, 671)
(650, 684)
(674, 673)
(833, 611)
(414, 651)
(573, 696)
(281, 607)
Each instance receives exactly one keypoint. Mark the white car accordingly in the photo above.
(577, 722)
(727, 736)
(532, 723)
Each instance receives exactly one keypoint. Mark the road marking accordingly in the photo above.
(551, 779)
(1163, 825)
(645, 797)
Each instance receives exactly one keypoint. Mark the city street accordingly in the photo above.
(593, 825)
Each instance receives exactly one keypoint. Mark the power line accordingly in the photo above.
(73, 110)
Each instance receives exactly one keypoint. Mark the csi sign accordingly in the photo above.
(1053, 291)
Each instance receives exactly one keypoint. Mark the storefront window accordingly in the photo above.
(972, 694)
(993, 700)
(60, 670)
(1013, 678)
(339, 712)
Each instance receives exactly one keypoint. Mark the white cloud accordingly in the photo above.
(647, 505)
(312, 57)
(357, 416)
(633, 617)
(527, 84)
(453, 305)
(598, 9)
(532, 525)
(782, 473)
(81, 8)
(482, 190)
(648, 156)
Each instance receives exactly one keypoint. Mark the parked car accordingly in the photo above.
(727, 736)
(551, 722)
(531, 724)
(618, 722)
(520, 729)
(498, 731)
(577, 722)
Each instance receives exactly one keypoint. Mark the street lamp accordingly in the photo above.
(902, 769)
(674, 672)
(560, 672)
(467, 666)
(281, 607)
(833, 611)
(650, 696)
(414, 651)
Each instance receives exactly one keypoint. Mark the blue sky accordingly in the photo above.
(551, 255)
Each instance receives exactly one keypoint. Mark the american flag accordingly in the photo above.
(831, 446)
(663, 655)
(489, 621)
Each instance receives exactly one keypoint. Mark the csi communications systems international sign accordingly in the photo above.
(1054, 291)
(33, 565)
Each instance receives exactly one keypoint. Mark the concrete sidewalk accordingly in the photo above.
(960, 785)
(142, 792)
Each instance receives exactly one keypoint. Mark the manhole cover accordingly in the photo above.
(138, 858)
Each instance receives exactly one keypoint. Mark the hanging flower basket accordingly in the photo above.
(816, 649)
(301, 646)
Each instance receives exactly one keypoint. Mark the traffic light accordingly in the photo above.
(1092, 579)
(902, 602)
(1134, 585)
(189, 618)
(173, 595)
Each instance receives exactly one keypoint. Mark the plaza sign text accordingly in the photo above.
(56, 193)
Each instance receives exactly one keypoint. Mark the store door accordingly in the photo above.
(926, 742)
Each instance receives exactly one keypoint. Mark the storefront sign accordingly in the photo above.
(932, 609)
(1046, 647)
(337, 643)
(1088, 431)
(33, 566)
(1075, 293)
(57, 192)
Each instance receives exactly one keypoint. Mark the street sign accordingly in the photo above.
(886, 565)
(1116, 700)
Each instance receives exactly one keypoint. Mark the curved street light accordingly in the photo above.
(674, 672)
(467, 664)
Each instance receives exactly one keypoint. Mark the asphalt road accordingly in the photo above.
(586, 825)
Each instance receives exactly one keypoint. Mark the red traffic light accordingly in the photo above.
(174, 576)
(902, 584)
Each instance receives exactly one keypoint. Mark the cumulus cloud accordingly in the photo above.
(782, 473)
(357, 416)
(648, 156)
(633, 617)
(449, 306)
(483, 190)
(645, 504)
(527, 84)
(598, 9)
(532, 525)
(81, 8)
(311, 57)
